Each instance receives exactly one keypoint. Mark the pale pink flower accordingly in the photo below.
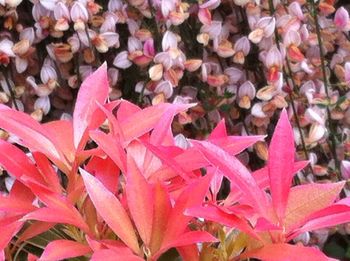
(295, 10)
(347, 73)
(246, 93)
(341, 19)
(6, 51)
(62, 16)
(22, 47)
(79, 15)
(121, 60)
(345, 169)
(263, 28)
(43, 103)
(164, 87)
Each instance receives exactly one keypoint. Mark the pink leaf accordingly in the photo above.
(106, 171)
(17, 163)
(191, 196)
(286, 252)
(143, 121)
(235, 172)
(188, 239)
(57, 215)
(111, 255)
(62, 249)
(111, 210)
(32, 134)
(94, 89)
(111, 147)
(8, 232)
(161, 134)
(169, 161)
(214, 213)
(35, 229)
(306, 199)
(327, 217)
(63, 132)
(140, 201)
(236, 144)
(219, 131)
(47, 171)
(280, 164)
(162, 209)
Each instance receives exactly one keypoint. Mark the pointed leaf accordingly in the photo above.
(214, 213)
(234, 170)
(219, 131)
(188, 239)
(191, 196)
(327, 217)
(162, 209)
(63, 131)
(286, 252)
(306, 199)
(111, 210)
(140, 201)
(111, 147)
(54, 215)
(111, 255)
(32, 134)
(63, 249)
(280, 164)
(143, 121)
(106, 171)
(8, 232)
(34, 229)
(94, 89)
(16, 162)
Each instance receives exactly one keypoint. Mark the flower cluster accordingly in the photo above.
(130, 190)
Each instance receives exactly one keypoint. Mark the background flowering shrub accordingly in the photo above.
(241, 60)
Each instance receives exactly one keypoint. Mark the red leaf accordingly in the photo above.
(57, 215)
(219, 131)
(327, 217)
(286, 252)
(280, 164)
(162, 209)
(192, 195)
(111, 255)
(32, 135)
(111, 210)
(236, 144)
(63, 132)
(47, 171)
(143, 121)
(8, 232)
(234, 170)
(140, 201)
(111, 147)
(161, 134)
(187, 239)
(62, 249)
(106, 171)
(16, 162)
(94, 89)
(214, 213)
(35, 229)
(167, 160)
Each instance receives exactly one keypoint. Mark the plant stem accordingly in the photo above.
(332, 130)
(288, 75)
